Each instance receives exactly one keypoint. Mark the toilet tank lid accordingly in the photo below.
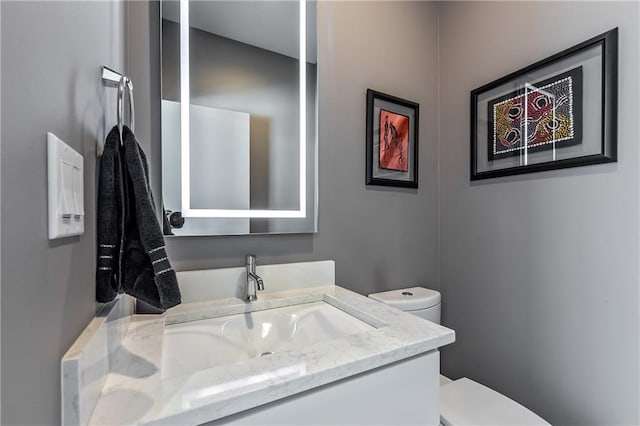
(408, 299)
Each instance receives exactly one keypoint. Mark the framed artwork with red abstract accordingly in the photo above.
(392, 141)
(557, 113)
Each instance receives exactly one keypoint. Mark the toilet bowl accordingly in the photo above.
(462, 401)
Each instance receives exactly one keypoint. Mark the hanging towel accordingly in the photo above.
(146, 271)
(110, 218)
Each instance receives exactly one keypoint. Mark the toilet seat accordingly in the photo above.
(465, 402)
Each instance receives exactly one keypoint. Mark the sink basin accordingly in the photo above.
(196, 345)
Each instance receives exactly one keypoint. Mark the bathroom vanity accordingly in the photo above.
(305, 354)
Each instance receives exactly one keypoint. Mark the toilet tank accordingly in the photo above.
(419, 301)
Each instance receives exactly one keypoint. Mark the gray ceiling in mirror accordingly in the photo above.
(239, 142)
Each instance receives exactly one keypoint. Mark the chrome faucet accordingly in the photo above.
(252, 279)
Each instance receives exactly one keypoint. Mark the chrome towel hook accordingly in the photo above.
(125, 84)
(111, 78)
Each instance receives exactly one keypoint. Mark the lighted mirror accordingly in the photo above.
(238, 117)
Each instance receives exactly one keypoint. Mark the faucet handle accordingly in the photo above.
(251, 260)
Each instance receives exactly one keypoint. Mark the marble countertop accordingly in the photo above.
(135, 391)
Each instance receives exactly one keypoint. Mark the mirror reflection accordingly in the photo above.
(238, 117)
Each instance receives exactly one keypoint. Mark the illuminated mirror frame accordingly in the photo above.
(185, 142)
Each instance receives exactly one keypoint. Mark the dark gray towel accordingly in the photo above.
(110, 218)
(147, 273)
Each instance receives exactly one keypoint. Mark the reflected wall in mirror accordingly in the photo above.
(238, 117)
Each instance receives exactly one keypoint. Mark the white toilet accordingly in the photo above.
(462, 401)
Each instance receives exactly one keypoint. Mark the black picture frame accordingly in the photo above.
(388, 170)
(608, 113)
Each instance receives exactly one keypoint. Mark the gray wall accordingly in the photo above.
(380, 238)
(540, 272)
(51, 58)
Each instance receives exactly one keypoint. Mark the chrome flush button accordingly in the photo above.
(407, 293)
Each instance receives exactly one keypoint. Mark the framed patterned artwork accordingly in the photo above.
(392, 140)
(559, 112)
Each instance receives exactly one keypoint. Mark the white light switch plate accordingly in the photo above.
(65, 172)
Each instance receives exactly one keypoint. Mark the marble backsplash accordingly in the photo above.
(212, 284)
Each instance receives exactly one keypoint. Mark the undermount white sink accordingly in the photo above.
(197, 345)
